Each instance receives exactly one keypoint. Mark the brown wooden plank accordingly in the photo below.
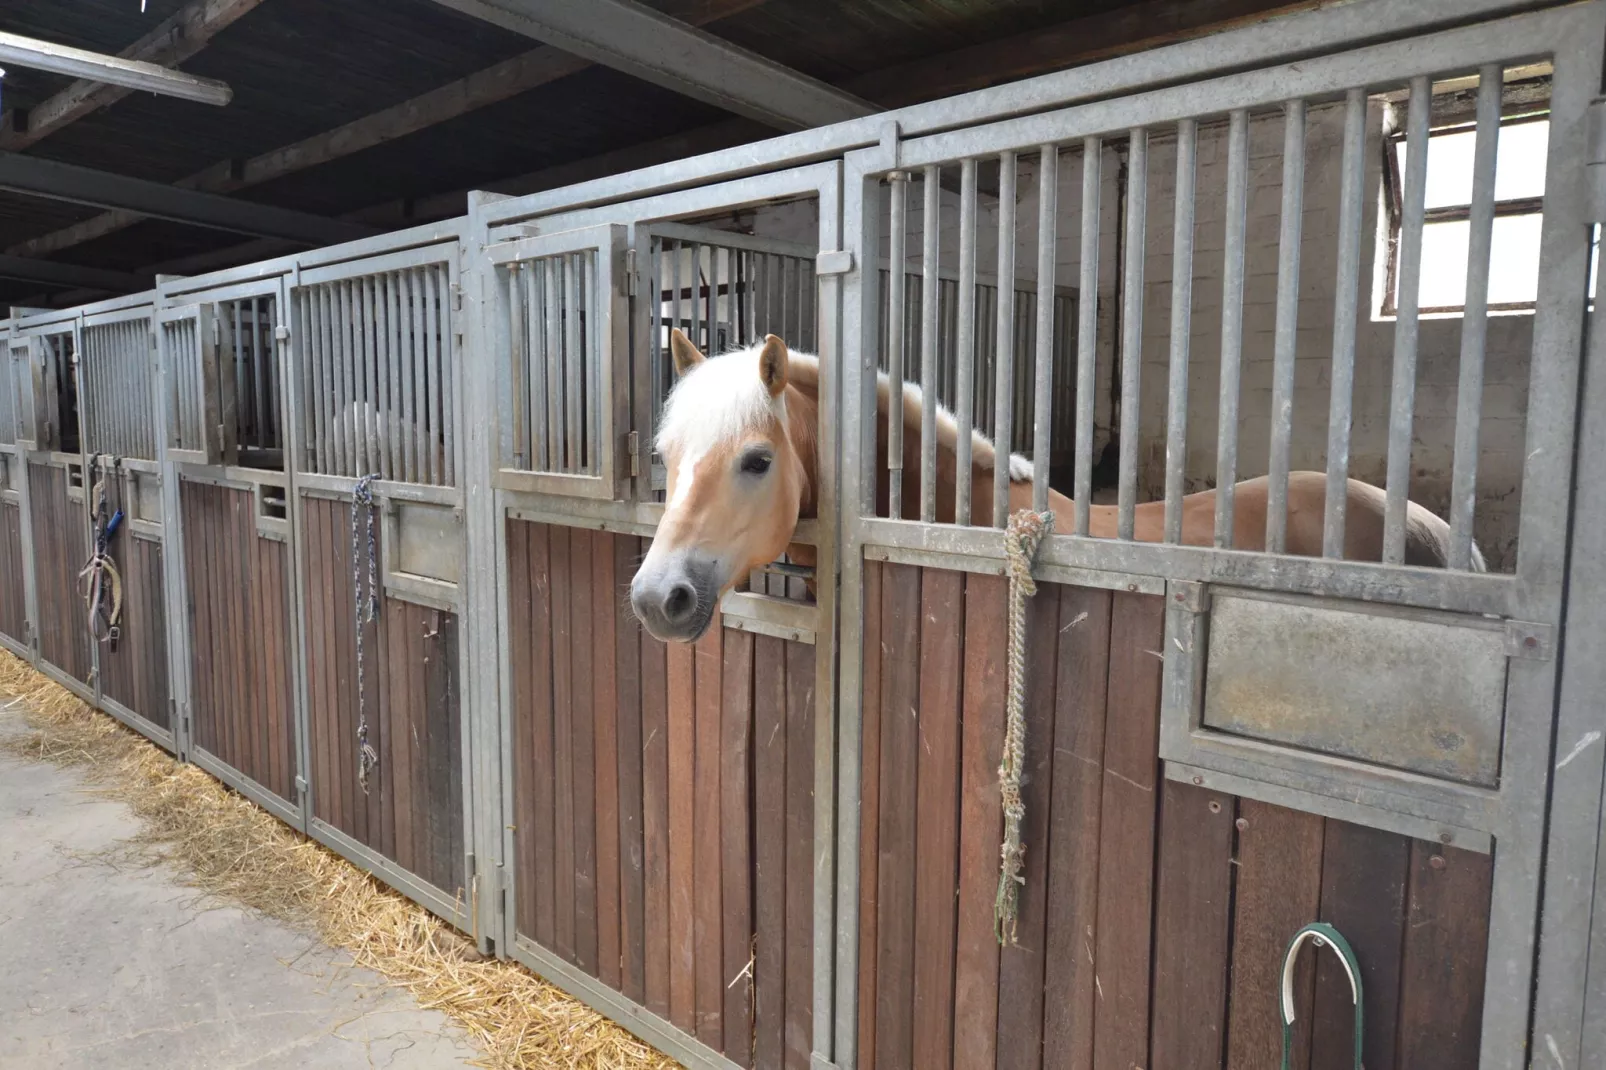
(236, 619)
(869, 809)
(325, 744)
(769, 849)
(800, 716)
(735, 843)
(253, 595)
(1446, 945)
(980, 821)
(656, 732)
(682, 765)
(344, 657)
(582, 750)
(400, 755)
(708, 906)
(1364, 874)
(282, 676)
(445, 818)
(1127, 816)
(936, 855)
(627, 663)
(1278, 892)
(521, 658)
(446, 669)
(391, 713)
(415, 623)
(1081, 687)
(313, 653)
(1193, 916)
(563, 741)
(605, 722)
(543, 779)
(900, 751)
(1021, 962)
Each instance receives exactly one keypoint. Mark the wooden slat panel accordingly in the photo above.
(900, 746)
(1193, 914)
(869, 811)
(605, 723)
(657, 822)
(735, 832)
(770, 739)
(682, 764)
(1069, 981)
(1126, 862)
(1279, 890)
(13, 608)
(800, 717)
(632, 888)
(582, 749)
(1446, 944)
(981, 821)
(521, 597)
(543, 779)
(936, 860)
(1363, 896)
(563, 577)
(317, 646)
(1021, 966)
(708, 906)
(400, 755)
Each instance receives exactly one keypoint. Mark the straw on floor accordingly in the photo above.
(230, 849)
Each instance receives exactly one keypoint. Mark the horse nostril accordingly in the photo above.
(679, 602)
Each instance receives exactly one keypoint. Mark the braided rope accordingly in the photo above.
(362, 498)
(1021, 539)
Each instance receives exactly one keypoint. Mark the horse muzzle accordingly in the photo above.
(675, 604)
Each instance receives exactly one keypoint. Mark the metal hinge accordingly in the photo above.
(1595, 160)
(630, 272)
(457, 297)
(833, 262)
(301, 785)
(633, 451)
(281, 333)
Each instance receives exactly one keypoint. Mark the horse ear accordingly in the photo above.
(772, 365)
(684, 354)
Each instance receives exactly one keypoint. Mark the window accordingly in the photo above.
(1519, 203)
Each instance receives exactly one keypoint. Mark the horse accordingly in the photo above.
(739, 440)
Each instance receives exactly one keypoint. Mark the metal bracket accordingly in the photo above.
(281, 333)
(1595, 160)
(888, 155)
(1535, 642)
(633, 451)
(833, 262)
(1190, 595)
(820, 1062)
(301, 784)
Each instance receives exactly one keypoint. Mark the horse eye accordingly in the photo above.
(756, 463)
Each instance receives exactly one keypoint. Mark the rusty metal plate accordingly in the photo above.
(431, 541)
(1422, 691)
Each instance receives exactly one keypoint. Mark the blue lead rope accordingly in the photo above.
(1322, 935)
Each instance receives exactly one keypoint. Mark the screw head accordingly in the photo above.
(1242, 824)
(1199, 780)
(1437, 862)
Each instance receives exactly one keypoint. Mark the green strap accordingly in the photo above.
(1322, 935)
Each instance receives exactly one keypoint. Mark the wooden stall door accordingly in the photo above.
(13, 590)
(663, 799)
(133, 671)
(411, 811)
(239, 598)
(61, 545)
(1155, 914)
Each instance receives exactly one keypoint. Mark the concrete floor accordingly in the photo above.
(105, 967)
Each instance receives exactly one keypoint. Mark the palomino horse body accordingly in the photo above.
(738, 440)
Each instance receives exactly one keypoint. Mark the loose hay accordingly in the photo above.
(233, 851)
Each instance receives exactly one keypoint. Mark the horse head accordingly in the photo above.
(737, 482)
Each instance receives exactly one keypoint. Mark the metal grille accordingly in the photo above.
(557, 363)
(119, 404)
(246, 333)
(724, 296)
(376, 369)
(12, 368)
(186, 421)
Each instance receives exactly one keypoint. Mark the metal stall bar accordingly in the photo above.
(1346, 300)
(1475, 318)
(1284, 347)
(898, 189)
(1176, 447)
(1004, 351)
(1087, 329)
(930, 223)
(965, 341)
(1403, 398)
(519, 356)
(552, 362)
(1137, 200)
(1232, 323)
(1048, 180)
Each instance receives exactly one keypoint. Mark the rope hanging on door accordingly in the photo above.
(1021, 539)
(100, 577)
(367, 608)
(1322, 935)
